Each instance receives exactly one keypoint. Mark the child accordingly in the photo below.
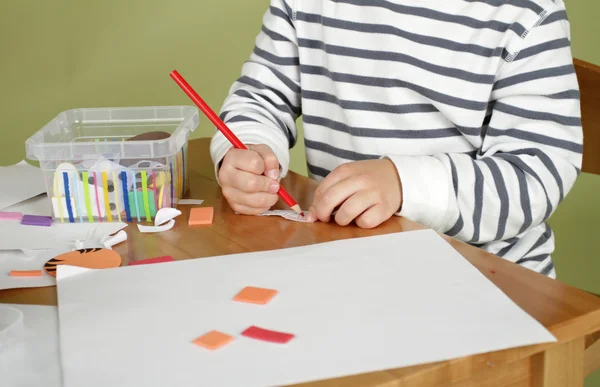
(461, 115)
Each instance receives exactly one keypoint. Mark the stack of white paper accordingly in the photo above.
(19, 183)
(35, 360)
(354, 306)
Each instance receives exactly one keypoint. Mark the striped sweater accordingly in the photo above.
(475, 101)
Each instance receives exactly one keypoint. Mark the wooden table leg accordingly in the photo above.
(560, 366)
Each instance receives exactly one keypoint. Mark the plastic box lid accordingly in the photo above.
(94, 133)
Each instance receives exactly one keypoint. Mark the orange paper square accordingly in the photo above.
(201, 216)
(213, 340)
(255, 295)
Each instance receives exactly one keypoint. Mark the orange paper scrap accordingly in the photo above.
(201, 216)
(213, 340)
(255, 295)
(26, 273)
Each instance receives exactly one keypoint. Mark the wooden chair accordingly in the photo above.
(588, 76)
(589, 84)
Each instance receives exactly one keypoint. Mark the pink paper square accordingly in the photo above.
(11, 216)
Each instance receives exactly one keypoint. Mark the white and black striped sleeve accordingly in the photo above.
(531, 153)
(264, 103)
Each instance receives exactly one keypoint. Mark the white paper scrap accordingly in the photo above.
(185, 202)
(163, 221)
(287, 214)
(20, 182)
(15, 236)
(111, 240)
(369, 304)
(35, 360)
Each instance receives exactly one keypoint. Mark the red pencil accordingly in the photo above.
(226, 131)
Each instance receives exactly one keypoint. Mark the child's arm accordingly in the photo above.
(264, 103)
(531, 153)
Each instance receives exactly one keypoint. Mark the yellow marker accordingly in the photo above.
(86, 195)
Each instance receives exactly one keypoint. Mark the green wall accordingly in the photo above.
(70, 53)
(66, 54)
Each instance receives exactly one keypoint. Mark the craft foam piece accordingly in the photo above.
(94, 258)
(201, 216)
(255, 295)
(267, 335)
(11, 216)
(139, 196)
(25, 273)
(35, 220)
(151, 261)
(213, 340)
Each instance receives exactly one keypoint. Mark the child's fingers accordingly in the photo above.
(338, 174)
(246, 181)
(244, 160)
(324, 204)
(240, 201)
(354, 206)
(372, 217)
(271, 163)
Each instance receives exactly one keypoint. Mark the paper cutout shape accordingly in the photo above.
(213, 340)
(163, 221)
(185, 202)
(267, 335)
(110, 240)
(151, 261)
(25, 273)
(201, 216)
(253, 295)
(287, 214)
(35, 220)
(11, 216)
(96, 258)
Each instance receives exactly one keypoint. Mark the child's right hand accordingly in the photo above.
(242, 179)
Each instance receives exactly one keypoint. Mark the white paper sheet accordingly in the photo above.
(355, 306)
(17, 260)
(20, 182)
(36, 360)
(15, 236)
(38, 205)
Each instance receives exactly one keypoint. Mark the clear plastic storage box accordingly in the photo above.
(114, 164)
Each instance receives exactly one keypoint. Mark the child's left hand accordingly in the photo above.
(368, 192)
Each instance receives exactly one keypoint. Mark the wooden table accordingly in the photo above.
(573, 316)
